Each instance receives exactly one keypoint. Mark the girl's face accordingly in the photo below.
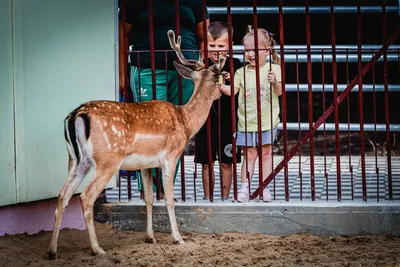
(250, 53)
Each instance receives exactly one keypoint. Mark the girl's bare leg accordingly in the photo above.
(250, 156)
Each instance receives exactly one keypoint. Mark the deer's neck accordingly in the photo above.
(196, 111)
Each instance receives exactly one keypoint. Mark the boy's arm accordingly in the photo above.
(226, 89)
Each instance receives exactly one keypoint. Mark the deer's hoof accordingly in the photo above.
(52, 255)
(150, 240)
(179, 241)
(98, 251)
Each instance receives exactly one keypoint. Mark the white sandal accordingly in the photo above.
(243, 195)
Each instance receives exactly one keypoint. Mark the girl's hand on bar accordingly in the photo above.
(272, 77)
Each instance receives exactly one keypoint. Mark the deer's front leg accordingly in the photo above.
(149, 200)
(168, 183)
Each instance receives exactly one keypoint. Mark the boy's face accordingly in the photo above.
(217, 47)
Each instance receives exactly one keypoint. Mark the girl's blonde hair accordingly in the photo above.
(268, 40)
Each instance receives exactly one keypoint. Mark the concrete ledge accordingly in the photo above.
(320, 218)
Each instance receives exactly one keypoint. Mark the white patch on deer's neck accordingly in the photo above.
(136, 161)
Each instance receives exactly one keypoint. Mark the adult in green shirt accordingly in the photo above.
(137, 28)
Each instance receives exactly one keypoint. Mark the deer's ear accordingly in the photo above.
(183, 70)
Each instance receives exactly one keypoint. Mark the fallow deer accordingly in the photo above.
(111, 135)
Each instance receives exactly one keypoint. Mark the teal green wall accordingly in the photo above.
(64, 54)
(7, 160)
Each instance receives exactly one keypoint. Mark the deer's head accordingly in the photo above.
(209, 78)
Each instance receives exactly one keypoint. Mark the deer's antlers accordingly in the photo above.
(177, 47)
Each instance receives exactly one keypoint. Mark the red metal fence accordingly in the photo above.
(332, 110)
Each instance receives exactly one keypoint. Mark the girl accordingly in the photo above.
(245, 84)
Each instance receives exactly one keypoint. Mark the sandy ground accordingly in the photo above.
(127, 248)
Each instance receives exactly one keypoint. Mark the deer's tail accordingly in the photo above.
(77, 133)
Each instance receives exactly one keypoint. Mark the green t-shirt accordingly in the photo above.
(251, 98)
(137, 14)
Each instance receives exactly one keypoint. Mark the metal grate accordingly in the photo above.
(294, 180)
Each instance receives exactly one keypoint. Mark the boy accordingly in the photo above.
(218, 45)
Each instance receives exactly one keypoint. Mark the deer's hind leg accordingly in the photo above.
(76, 173)
(149, 200)
(105, 169)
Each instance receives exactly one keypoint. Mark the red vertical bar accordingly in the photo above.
(233, 107)
(348, 127)
(210, 163)
(205, 32)
(153, 79)
(195, 164)
(125, 89)
(284, 104)
(166, 72)
(323, 111)
(245, 125)
(125, 52)
(129, 185)
(259, 147)
(177, 18)
(299, 120)
(208, 122)
(375, 148)
(361, 102)
(178, 32)
(310, 98)
(140, 100)
(195, 175)
(166, 88)
(140, 80)
(152, 53)
(336, 106)
(385, 80)
(271, 121)
(180, 101)
(219, 149)
(119, 186)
